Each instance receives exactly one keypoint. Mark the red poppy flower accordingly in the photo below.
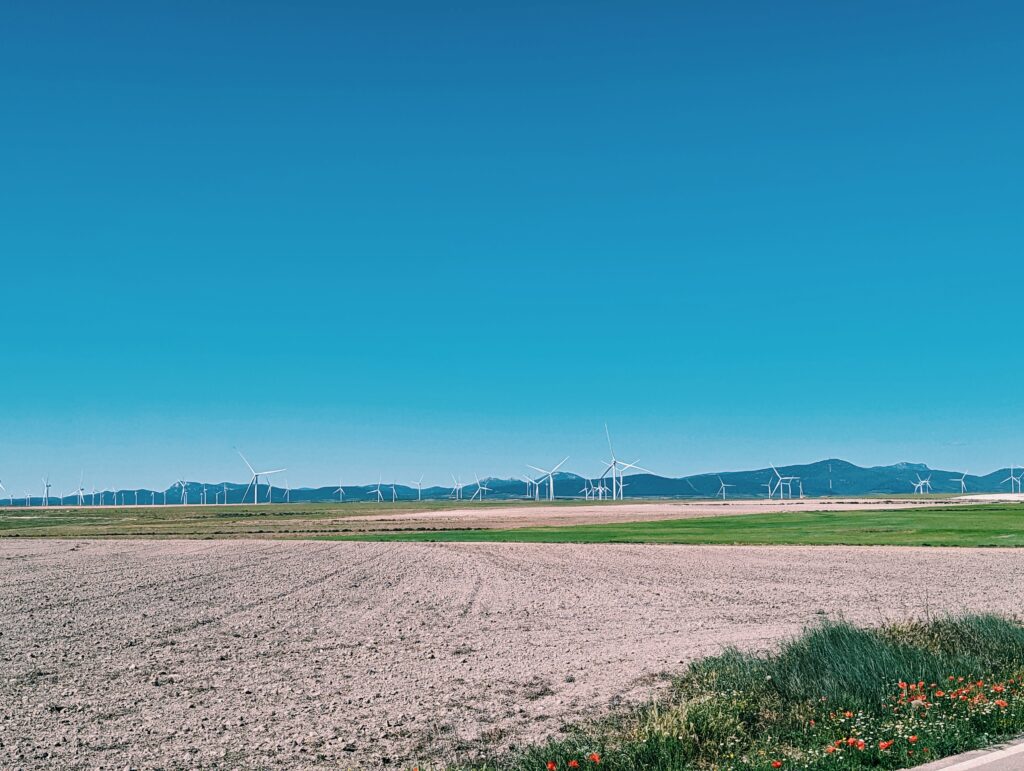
(1001, 704)
(776, 764)
(574, 764)
(885, 745)
(912, 739)
(552, 765)
(860, 744)
(594, 758)
(829, 749)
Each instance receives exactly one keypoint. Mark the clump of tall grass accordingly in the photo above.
(836, 697)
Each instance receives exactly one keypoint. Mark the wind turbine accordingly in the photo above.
(613, 465)
(550, 475)
(721, 488)
(784, 484)
(1013, 480)
(921, 484)
(5, 490)
(184, 492)
(394, 493)
(529, 486)
(419, 489)
(480, 488)
(287, 491)
(46, 491)
(625, 467)
(456, 492)
(341, 493)
(255, 481)
(377, 492)
(81, 489)
(963, 483)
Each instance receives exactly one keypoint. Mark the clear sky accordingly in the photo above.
(422, 238)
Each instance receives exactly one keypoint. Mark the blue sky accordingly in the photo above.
(423, 238)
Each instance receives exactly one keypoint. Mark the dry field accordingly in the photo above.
(256, 654)
(301, 520)
(496, 515)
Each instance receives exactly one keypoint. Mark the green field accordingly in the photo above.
(945, 525)
(974, 525)
(263, 520)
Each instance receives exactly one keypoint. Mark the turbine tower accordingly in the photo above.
(419, 489)
(456, 493)
(341, 493)
(378, 493)
(81, 489)
(721, 488)
(46, 491)
(783, 485)
(1013, 480)
(254, 483)
(550, 475)
(963, 483)
(480, 489)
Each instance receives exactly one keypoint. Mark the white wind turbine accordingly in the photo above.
(255, 481)
(783, 484)
(80, 492)
(588, 490)
(480, 489)
(287, 491)
(529, 486)
(46, 491)
(721, 488)
(550, 475)
(456, 492)
(341, 493)
(394, 493)
(184, 492)
(963, 483)
(419, 489)
(378, 493)
(1013, 480)
(921, 484)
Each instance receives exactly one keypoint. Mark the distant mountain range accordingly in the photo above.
(825, 478)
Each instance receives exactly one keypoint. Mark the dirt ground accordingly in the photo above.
(280, 654)
(499, 516)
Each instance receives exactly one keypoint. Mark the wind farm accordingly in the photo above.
(511, 387)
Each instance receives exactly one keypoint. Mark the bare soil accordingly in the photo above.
(279, 654)
(497, 516)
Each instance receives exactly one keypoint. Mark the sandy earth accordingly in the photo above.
(505, 516)
(273, 654)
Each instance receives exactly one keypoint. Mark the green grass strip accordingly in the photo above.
(978, 525)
